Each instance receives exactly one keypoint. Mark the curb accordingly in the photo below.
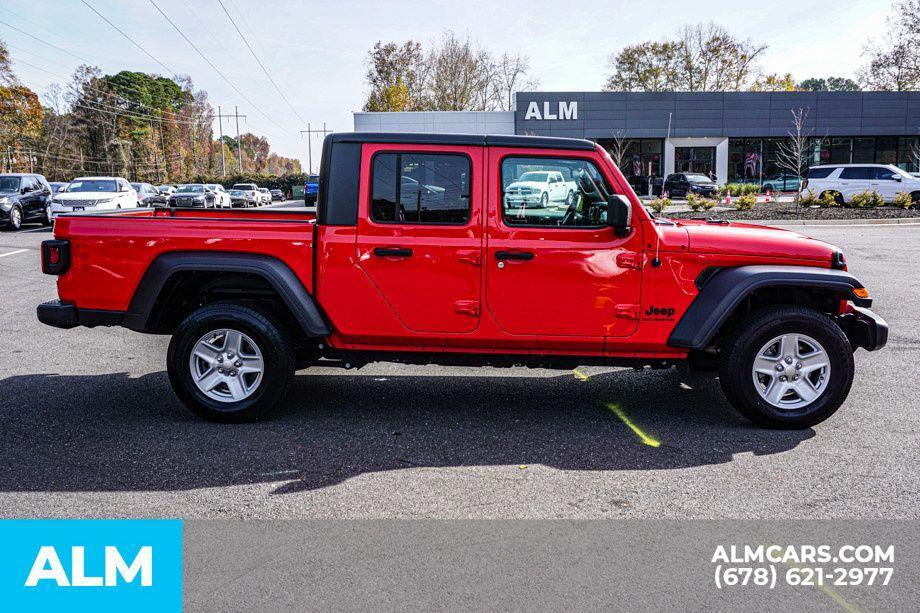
(833, 222)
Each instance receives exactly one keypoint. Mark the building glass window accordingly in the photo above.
(642, 160)
(909, 153)
(863, 151)
(886, 150)
(745, 160)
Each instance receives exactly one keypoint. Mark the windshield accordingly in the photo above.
(191, 189)
(9, 184)
(92, 185)
(248, 186)
(313, 179)
(536, 177)
(236, 192)
(902, 172)
(698, 179)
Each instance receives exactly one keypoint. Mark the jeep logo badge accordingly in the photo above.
(662, 312)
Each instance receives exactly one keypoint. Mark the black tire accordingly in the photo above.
(915, 197)
(544, 200)
(15, 218)
(752, 333)
(46, 218)
(269, 335)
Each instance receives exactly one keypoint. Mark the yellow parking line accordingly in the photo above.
(580, 375)
(645, 438)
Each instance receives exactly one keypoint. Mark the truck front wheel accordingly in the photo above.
(786, 367)
(229, 362)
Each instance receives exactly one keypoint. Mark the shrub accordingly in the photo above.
(749, 188)
(658, 204)
(808, 198)
(903, 200)
(694, 201)
(867, 199)
(828, 200)
(745, 202)
(708, 204)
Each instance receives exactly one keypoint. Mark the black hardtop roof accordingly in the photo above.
(475, 140)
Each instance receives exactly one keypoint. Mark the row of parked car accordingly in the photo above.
(29, 197)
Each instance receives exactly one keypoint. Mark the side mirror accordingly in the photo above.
(619, 214)
(898, 178)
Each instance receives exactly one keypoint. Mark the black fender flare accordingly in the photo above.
(273, 270)
(723, 289)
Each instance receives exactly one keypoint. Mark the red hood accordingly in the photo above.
(748, 239)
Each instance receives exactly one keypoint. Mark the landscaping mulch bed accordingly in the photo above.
(788, 210)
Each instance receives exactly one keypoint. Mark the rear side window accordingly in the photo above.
(820, 173)
(857, 173)
(420, 188)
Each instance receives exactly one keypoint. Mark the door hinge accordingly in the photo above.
(629, 259)
(470, 257)
(467, 307)
(627, 311)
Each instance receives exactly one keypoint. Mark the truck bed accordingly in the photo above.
(110, 251)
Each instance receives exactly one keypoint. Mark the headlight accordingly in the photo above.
(198, 199)
(5, 203)
(56, 201)
(104, 200)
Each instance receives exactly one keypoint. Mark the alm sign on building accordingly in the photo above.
(565, 110)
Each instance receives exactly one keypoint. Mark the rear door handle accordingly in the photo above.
(398, 252)
(513, 255)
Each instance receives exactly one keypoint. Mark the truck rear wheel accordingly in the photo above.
(786, 367)
(229, 362)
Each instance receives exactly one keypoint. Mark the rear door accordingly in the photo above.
(419, 234)
(559, 273)
(854, 180)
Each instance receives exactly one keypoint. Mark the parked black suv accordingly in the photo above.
(23, 198)
(680, 184)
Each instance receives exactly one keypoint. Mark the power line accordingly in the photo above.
(261, 65)
(131, 40)
(215, 68)
(83, 59)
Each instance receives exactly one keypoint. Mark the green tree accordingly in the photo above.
(700, 58)
(830, 84)
(894, 64)
(392, 67)
(774, 83)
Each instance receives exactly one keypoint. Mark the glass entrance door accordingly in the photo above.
(700, 160)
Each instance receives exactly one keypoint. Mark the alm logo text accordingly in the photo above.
(48, 567)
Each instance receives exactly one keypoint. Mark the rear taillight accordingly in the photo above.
(55, 257)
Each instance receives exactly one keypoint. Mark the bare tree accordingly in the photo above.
(795, 152)
(915, 152)
(511, 76)
(460, 76)
(619, 147)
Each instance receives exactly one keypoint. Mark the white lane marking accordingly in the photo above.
(3, 255)
(42, 229)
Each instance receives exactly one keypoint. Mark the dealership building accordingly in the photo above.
(733, 135)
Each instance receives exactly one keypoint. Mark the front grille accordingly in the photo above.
(80, 202)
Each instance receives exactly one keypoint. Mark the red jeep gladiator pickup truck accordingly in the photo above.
(446, 249)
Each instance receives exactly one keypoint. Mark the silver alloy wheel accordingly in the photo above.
(791, 371)
(226, 365)
(15, 218)
(48, 214)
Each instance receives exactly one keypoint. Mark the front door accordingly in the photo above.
(854, 180)
(420, 239)
(883, 181)
(560, 271)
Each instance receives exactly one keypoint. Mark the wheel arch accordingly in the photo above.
(729, 293)
(173, 277)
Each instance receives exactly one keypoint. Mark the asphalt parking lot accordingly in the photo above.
(90, 428)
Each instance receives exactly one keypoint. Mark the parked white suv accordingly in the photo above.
(221, 196)
(251, 190)
(94, 194)
(846, 180)
(539, 189)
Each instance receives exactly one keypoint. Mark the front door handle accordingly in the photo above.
(398, 252)
(513, 255)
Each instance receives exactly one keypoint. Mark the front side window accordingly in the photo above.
(578, 199)
(884, 174)
(420, 188)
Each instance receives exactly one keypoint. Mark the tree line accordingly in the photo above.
(456, 75)
(140, 126)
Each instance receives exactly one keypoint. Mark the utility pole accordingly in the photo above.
(309, 132)
(239, 145)
(220, 124)
(239, 149)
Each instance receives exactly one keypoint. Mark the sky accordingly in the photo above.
(316, 51)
